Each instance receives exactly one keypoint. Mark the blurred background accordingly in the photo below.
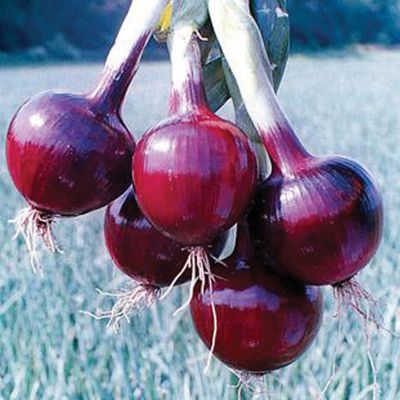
(75, 29)
(341, 91)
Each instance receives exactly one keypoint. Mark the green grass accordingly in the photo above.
(48, 350)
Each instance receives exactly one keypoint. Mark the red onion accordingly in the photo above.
(194, 173)
(137, 248)
(140, 251)
(318, 220)
(263, 321)
(70, 154)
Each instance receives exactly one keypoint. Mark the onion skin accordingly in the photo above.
(70, 154)
(321, 224)
(203, 171)
(65, 158)
(194, 173)
(139, 250)
(264, 322)
(318, 220)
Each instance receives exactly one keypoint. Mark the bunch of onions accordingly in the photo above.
(317, 220)
(70, 154)
(311, 222)
(199, 166)
(140, 251)
(265, 322)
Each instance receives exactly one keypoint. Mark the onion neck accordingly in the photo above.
(187, 92)
(123, 60)
(236, 29)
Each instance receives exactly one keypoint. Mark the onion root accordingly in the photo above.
(33, 224)
(198, 263)
(351, 294)
(128, 302)
(251, 383)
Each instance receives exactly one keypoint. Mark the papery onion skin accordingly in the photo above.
(65, 158)
(194, 176)
(321, 224)
(140, 250)
(265, 322)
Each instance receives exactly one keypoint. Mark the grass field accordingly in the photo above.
(48, 350)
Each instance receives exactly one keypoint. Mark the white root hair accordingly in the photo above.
(351, 294)
(198, 263)
(32, 224)
(129, 302)
(254, 384)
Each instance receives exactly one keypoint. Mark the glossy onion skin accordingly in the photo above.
(65, 156)
(138, 249)
(321, 225)
(264, 322)
(194, 176)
